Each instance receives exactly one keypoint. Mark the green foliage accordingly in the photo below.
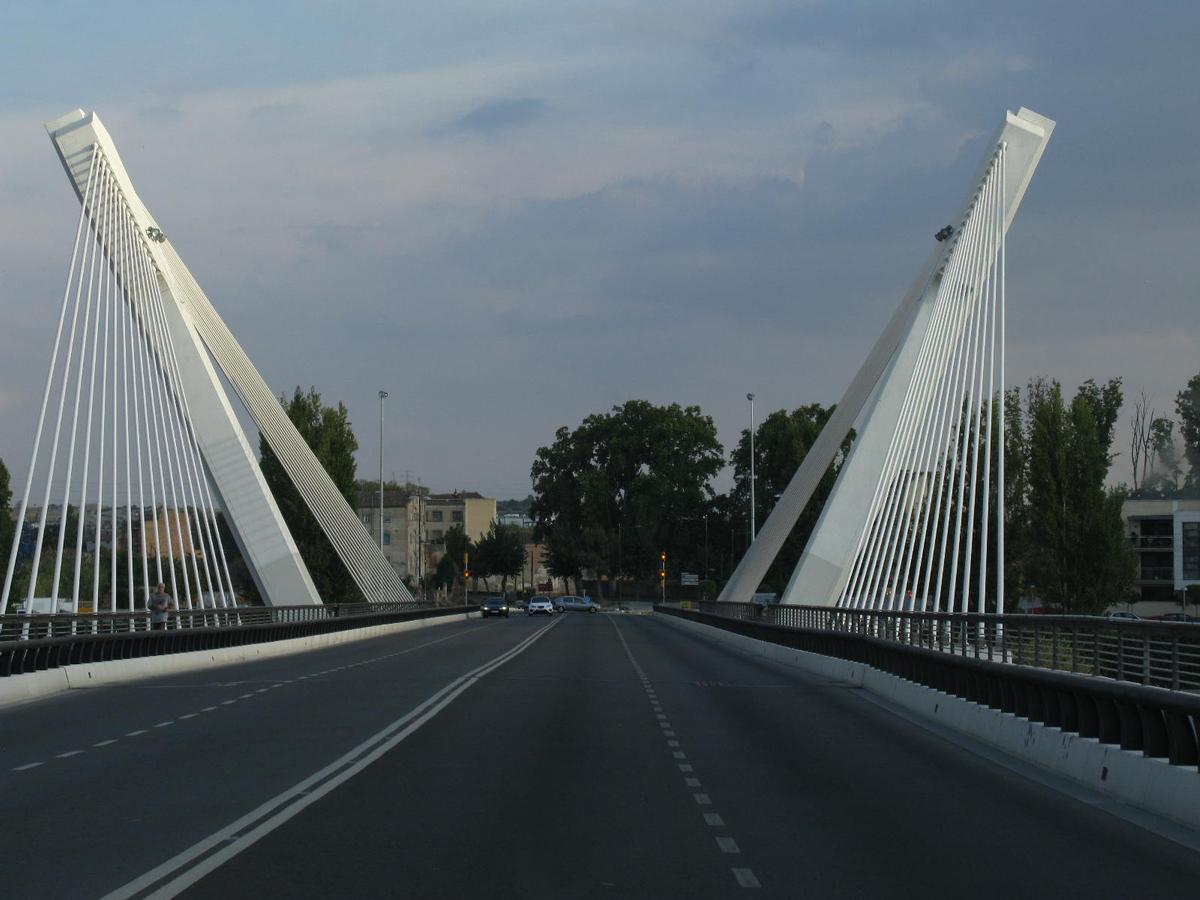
(1072, 535)
(624, 486)
(446, 572)
(458, 545)
(499, 552)
(328, 433)
(781, 442)
(1187, 406)
(7, 522)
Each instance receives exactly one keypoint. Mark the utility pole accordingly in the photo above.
(382, 396)
(750, 397)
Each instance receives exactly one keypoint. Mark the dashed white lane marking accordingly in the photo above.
(186, 868)
(726, 844)
(745, 878)
(286, 681)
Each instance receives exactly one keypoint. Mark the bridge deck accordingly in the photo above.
(554, 775)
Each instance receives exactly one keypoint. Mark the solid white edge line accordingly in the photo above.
(299, 795)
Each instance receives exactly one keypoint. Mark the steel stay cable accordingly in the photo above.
(967, 366)
(135, 353)
(948, 409)
(205, 507)
(861, 559)
(977, 408)
(191, 462)
(92, 249)
(879, 517)
(12, 556)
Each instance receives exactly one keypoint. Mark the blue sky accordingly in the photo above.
(513, 215)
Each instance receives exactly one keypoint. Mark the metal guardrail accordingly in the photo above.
(1158, 654)
(948, 655)
(32, 643)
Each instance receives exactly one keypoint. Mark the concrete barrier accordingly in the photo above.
(36, 685)
(1152, 785)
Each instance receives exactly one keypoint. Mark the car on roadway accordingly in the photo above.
(494, 606)
(1177, 617)
(539, 605)
(570, 603)
(1125, 616)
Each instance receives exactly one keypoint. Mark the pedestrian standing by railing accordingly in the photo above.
(159, 604)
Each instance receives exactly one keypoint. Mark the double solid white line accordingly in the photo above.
(186, 868)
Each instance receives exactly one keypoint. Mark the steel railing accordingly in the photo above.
(33, 627)
(32, 643)
(1158, 654)
(1160, 723)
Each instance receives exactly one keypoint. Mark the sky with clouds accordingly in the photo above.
(511, 215)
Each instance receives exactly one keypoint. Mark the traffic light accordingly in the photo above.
(662, 572)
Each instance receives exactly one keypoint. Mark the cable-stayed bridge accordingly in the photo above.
(135, 423)
(881, 733)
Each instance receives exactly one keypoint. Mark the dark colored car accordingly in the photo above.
(1177, 617)
(494, 606)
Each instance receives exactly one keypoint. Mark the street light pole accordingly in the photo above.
(382, 397)
(750, 397)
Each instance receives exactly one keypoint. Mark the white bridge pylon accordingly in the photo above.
(916, 517)
(138, 447)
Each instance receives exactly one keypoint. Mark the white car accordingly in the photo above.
(540, 605)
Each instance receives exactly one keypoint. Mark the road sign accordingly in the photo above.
(689, 579)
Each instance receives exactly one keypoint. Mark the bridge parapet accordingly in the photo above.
(1155, 654)
(1135, 685)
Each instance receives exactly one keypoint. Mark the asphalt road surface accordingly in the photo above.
(580, 756)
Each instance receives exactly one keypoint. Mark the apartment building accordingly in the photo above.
(414, 525)
(1164, 531)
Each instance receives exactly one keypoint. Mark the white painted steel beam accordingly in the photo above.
(200, 337)
(872, 404)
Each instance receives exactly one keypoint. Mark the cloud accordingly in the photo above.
(498, 116)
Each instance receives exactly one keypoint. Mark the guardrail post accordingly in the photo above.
(1175, 662)
(1120, 655)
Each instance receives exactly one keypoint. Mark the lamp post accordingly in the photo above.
(750, 397)
(382, 397)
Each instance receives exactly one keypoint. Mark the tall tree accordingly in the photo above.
(1187, 406)
(781, 442)
(329, 435)
(500, 552)
(623, 487)
(7, 522)
(1076, 553)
